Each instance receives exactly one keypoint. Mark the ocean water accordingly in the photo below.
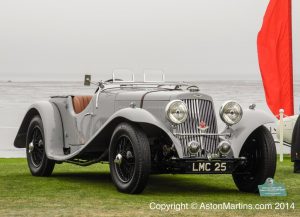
(16, 97)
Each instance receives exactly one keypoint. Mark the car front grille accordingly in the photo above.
(198, 110)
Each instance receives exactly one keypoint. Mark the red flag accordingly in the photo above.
(274, 45)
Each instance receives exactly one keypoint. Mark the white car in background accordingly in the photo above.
(288, 128)
(291, 137)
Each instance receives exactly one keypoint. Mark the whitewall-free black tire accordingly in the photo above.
(129, 158)
(260, 152)
(38, 163)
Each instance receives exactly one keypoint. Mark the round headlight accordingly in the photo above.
(176, 111)
(231, 112)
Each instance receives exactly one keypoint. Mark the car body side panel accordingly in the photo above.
(251, 120)
(69, 121)
(103, 111)
(76, 126)
(53, 130)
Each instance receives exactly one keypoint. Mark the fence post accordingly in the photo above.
(281, 113)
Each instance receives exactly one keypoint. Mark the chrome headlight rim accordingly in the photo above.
(172, 119)
(226, 119)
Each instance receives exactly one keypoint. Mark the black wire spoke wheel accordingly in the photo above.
(129, 158)
(260, 153)
(253, 154)
(125, 168)
(37, 147)
(38, 162)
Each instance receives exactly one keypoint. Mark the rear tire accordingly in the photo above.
(260, 151)
(129, 158)
(296, 166)
(38, 163)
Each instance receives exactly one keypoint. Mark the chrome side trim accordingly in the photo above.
(97, 99)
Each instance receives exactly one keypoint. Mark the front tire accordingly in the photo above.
(296, 166)
(260, 152)
(38, 163)
(129, 158)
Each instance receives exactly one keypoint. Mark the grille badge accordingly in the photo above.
(202, 126)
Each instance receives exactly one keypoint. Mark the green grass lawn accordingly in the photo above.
(88, 191)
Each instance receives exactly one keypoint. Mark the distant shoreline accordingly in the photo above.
(78, 81)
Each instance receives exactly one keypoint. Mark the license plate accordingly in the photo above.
(209, 167)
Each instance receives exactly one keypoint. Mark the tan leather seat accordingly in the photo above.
(80, 103)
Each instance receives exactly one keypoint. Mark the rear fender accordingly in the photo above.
(53, 130)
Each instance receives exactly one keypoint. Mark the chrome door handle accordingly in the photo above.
(87, 114)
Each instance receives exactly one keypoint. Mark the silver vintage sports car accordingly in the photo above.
(148, 127)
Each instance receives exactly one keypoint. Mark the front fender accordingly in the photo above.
(53, 130)
(138, 115)
(251, 120)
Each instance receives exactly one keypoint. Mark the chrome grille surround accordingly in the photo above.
(198, 110)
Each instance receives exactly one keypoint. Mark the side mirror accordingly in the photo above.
(87, 80)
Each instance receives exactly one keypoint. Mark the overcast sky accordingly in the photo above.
(189, 40)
